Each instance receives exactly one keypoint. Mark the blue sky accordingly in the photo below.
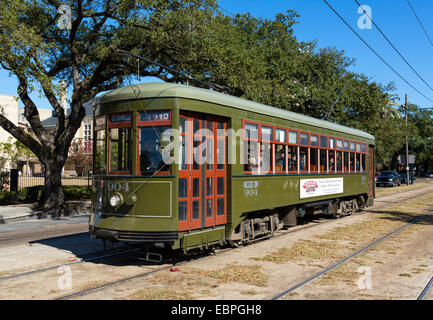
(318, 22)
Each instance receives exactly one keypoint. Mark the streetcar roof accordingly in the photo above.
(173, 90)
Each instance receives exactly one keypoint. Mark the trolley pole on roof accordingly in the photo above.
(407, 147)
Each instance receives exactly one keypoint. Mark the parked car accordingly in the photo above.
(404, 180)
(388, 178)
(429, 175)
(376, 175)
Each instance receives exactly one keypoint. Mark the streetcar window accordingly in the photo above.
(339, 161)
(280, 158)
(352, 146)
(195, 210)
(346, 162)
(292, 159)
(358, 166)
(331, 143)
(352, 162)
(346, 145)
(363, 148)
(266, 133)
(314, 141)
(183, 125)
(323, 161)
(363, 164)
(280, 135)
(220, 186)
(250, 156)
(208, 208)
(209, 186)
(196, 155)
(304, 139)
(303, 159)
(196, 126)
(221, 154)
(100, 160)
(358, 147)
(196, 187)
(339, 144)
(151, 158)
(313, 159)
(183, 187)
(323, 142)
(220, 206)
(182, 210)
(209, 153)
(120, 149)
(183, 150)
(266, 158)
(293, 137)
(332, 161)
(220, 129)
(251, 131)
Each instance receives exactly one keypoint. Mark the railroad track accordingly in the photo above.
(340, 262)
(426, 290)
(312, 223)
(280, 233)
(48, 268)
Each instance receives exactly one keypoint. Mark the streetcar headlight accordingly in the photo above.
(116, 200)
(389, 179)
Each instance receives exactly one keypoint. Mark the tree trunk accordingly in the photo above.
(54, 198)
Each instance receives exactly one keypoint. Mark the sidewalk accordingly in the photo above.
(25, 210)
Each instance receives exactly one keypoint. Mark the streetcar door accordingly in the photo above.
(371, 171)
(202, 172)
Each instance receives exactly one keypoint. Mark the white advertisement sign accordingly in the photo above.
(320, 187)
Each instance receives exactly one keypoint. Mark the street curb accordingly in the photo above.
(4, 220)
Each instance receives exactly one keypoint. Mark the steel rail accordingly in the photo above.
(426, 290)
(276, 235)
(17, 275)
(311, 278)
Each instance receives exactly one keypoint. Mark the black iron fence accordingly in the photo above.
(38, 179)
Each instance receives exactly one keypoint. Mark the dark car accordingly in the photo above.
(388, 178)
(428, 175)
(404, 180)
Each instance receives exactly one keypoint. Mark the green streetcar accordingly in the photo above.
(191, 168)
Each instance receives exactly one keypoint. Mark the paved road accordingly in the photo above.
(32, 229)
